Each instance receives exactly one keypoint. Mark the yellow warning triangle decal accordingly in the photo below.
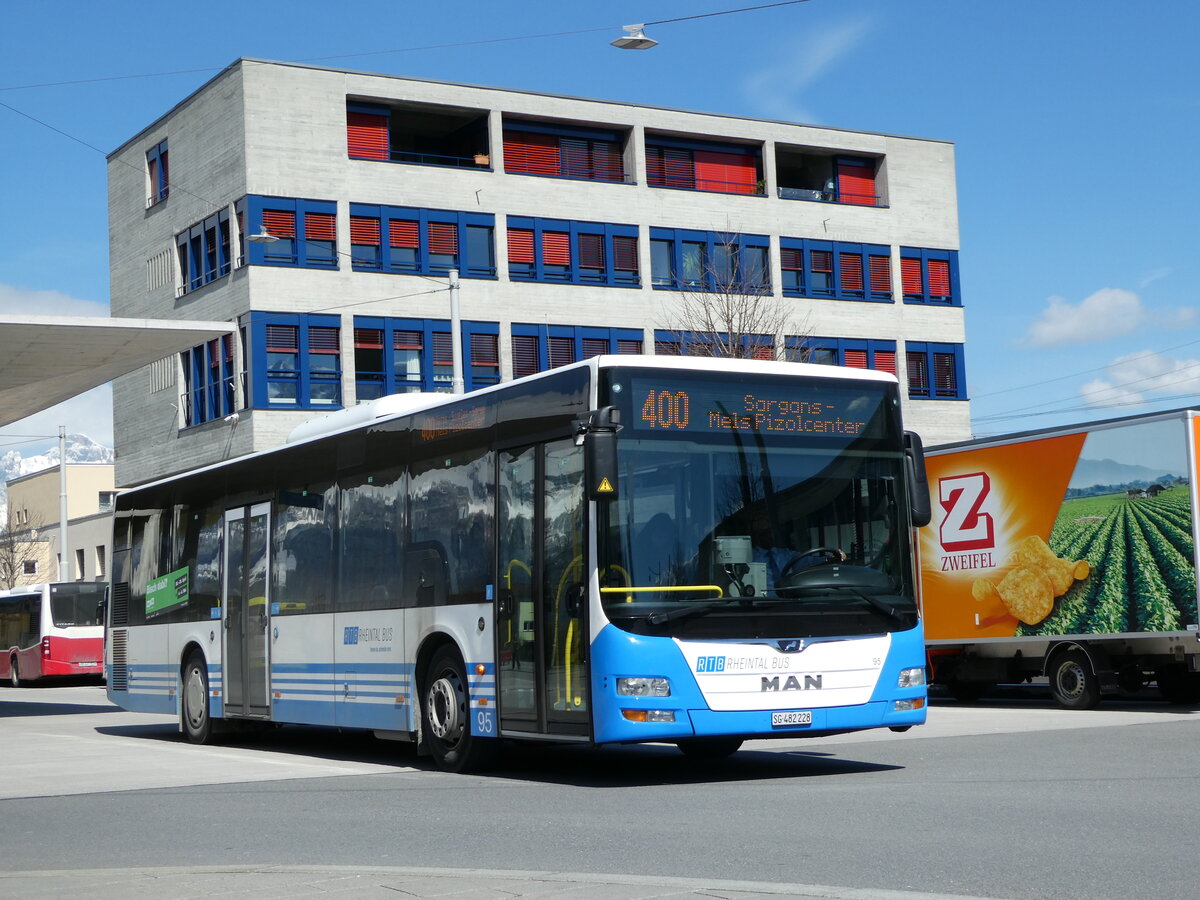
(605, 487)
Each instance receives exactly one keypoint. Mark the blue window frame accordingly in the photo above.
(203, 252)
(572, 252)
(158, 172)
(536, 348)
(930, 276)
(683, 260)
(857, 353)
(295, 361)
(836, 270)
(304, 231)
(208, 381)
(935, 371)
(695, 343)
(421, 241)
(398, 356)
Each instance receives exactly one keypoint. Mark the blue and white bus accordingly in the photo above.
(626, 549)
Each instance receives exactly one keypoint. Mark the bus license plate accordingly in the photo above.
(793, 717)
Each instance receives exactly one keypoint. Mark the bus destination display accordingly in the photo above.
(659, 405)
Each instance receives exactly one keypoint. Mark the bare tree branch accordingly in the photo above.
(19, 545)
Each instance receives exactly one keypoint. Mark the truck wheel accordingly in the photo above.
(1178, 686)
(1073, 683)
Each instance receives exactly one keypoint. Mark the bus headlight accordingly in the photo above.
(649, 715)
(644, 687)
(909, 705)
(911, 677)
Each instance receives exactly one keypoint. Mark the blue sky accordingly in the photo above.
(1077, 209)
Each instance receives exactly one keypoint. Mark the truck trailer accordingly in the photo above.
(1066, 553)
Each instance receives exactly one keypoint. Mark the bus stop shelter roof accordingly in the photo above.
(45, 360)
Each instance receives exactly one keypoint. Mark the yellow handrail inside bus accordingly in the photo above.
(720, 592)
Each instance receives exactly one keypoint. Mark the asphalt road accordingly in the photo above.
(1011, 798)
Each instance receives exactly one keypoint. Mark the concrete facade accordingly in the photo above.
(280, 130)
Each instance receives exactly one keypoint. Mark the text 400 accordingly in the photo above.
(666, 409)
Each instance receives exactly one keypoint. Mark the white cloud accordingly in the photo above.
(15, 301)
(1106, 314)
(797, 64)
(1142, 378)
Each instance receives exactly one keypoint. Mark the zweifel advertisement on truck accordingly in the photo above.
(1068, 553)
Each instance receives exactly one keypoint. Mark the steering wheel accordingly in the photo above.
(832, 554)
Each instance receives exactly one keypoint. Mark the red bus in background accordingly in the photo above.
(50, 630)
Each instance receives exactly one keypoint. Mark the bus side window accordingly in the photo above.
(425, 574)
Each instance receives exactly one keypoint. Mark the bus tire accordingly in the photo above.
(14, 674)
(1073, 683)
(193, 707)
(446, 716)
(709, 747)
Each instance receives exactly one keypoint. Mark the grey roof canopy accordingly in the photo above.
(45, 360)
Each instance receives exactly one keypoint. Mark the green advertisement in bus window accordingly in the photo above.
(167, 592)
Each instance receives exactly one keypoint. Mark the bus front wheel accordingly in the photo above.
(197, 724)
(445, 715)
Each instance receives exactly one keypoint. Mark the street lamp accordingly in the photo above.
(634, 39)
(263, 236)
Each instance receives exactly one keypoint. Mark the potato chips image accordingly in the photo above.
(1037, 577)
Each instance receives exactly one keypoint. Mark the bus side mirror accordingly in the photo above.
(598, 433)
(918, 482)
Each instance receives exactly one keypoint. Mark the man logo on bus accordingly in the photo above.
(963, 526)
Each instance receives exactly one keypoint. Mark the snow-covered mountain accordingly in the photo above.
(80, 449)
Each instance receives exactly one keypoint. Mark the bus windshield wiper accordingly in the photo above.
(874, 602)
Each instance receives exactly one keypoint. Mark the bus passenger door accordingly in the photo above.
(247, 610)
(541, 613)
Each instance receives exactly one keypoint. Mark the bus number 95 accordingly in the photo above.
(666, 409)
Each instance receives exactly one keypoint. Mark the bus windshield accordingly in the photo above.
(739, 526)
(73, 605)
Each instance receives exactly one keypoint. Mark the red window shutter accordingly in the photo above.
(764, 351)
(520, 245)
(562, 351)
(320, 227)
(910, 276)
(855, 359)
(880, 271)
(856, 184)
(607, 162)
(851, 271)
(368, 338)
(591, 251)
(485, 350)
(790, 258)
(574, 159)
(945, 376)
(730, 173)
(403, 233)
(821, 260)
(628, 347)
(283, 337)
(556, 248)
(939, 278)
(367, 135)
(228, 341)
(625, 253)
(406, 340)
(530, 154)
(322, 339)
(918, 373)
(364, 230)
(885, 361)
(670, 167)
(280, 223)
(667, 348)
(443, 349)
(524, 354)
(594, 347)
(443, 238)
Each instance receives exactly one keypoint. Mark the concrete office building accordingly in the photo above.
(575, 224)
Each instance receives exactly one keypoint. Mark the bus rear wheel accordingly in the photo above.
(446, 717)
(14, 675)
(197, 723)
(709, 747)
